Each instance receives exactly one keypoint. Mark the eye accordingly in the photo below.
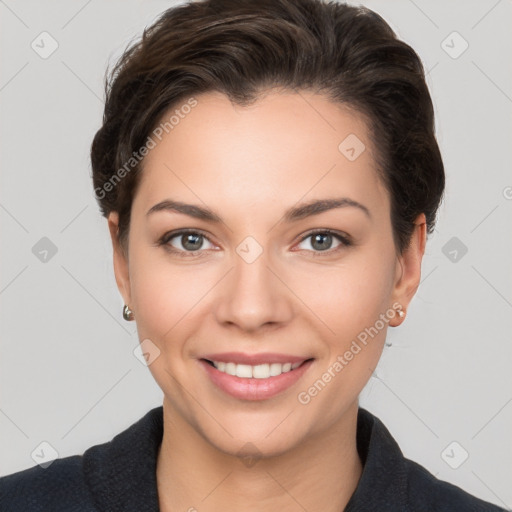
(184, 241)
(322, 241)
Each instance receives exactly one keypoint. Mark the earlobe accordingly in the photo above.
(409, 269)
(121, 271)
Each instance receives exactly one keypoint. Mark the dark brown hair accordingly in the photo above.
(244, 47)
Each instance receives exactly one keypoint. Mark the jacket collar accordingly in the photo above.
(383, 483)
(121, 474)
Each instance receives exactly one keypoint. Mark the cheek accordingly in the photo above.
(167, 300)
(164, 295)
(352, 296)
(354, 304)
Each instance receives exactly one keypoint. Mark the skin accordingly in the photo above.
(249, 165)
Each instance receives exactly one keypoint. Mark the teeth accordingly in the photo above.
(230, 368)
(260, 371)
(244, 370)
(275, 369)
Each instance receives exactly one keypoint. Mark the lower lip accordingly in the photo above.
(254, 389)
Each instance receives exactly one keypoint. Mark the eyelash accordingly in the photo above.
(167, 237)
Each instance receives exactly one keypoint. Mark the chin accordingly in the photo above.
(254, 434)
(246, 446)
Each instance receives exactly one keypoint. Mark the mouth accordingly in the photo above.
(254, 381)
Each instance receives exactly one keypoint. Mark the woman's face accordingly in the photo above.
(252, 279)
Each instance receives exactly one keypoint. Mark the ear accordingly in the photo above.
(408, 268)
(120, 259)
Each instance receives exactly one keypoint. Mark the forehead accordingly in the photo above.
(282, 147)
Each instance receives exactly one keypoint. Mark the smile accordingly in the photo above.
(254, 382)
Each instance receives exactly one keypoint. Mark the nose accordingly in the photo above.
(254, 296)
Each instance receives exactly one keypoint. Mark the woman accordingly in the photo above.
(269, 173)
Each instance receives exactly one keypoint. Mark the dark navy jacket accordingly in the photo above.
(120, 476)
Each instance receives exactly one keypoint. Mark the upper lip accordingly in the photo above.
(254, 359)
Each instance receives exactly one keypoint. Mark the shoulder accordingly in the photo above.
(425, 493)
(392, 482)
(58, 487)
(117, 475)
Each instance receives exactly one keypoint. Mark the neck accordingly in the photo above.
(320, 474)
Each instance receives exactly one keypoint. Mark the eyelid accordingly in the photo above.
(343, 237)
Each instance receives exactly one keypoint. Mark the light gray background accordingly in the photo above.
(68, 373)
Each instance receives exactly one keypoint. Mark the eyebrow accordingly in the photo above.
(293, 214)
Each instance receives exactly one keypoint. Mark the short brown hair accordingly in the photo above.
(242, 47)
